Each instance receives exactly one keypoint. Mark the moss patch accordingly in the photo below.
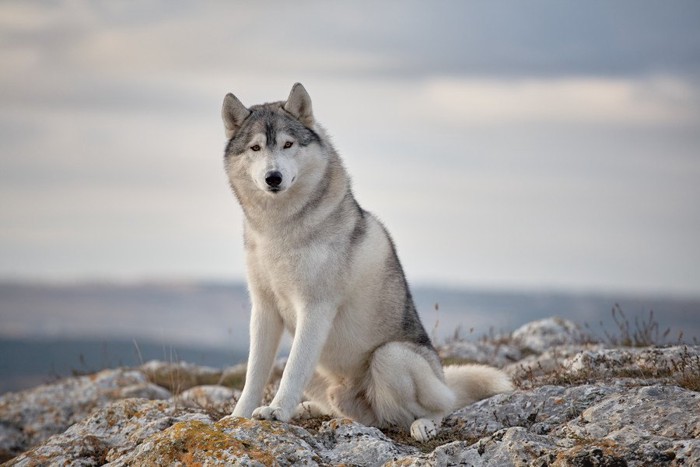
(196, 443)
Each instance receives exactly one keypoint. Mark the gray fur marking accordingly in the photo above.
(270, 119)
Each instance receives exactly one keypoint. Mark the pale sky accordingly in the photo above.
(504, 144)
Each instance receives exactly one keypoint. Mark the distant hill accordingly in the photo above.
(26, 363)
(50, 330)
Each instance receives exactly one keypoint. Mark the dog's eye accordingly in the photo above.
(288, 145)
(255, 147)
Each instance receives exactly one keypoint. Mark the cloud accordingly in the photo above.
(591, 100)
(399, 39)
(520, 137)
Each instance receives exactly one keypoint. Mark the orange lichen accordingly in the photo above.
(195, 443)
(338, 422)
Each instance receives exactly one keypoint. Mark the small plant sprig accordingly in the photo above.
(644, 334)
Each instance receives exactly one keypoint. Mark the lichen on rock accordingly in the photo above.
(578, 403)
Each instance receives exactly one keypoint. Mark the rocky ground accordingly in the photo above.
(579, 402)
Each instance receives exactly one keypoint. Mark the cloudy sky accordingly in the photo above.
(505, 144)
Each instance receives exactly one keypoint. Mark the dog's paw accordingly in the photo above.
(271, 413)
(423, 429)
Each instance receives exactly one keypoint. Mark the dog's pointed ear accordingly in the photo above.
(299, 104)
(233, 113)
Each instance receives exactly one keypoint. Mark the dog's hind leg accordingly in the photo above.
(337, 398)
(424, 429)
(408, 390)
(316, 403)
(311, 409)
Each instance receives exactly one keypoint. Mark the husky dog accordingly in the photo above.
(326, 270)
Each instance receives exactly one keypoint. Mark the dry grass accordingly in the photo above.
(687, 371)
(644, 333)
(683, 371)
(312, 425)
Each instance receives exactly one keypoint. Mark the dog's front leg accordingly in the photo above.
(312, 331)
(265, 333)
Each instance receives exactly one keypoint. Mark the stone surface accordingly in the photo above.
(646, 362)
(577, 364)
(538, 410)
(180, 376)
(347, 442)
(229, 441)
(210, 397)
(483, 352)
(108, 434)
(454, 453)
(578, 404)
(517, 446)
(45, 410)
(544, 334)
(546, 363)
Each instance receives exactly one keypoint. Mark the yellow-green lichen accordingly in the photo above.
(194, 443)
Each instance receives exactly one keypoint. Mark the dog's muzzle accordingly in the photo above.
(273, 180)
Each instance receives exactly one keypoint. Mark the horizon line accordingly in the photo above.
(473, 287)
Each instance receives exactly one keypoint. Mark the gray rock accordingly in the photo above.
(555, 360)
(538, 410)
(107, 435)
(517, 447)
(179, 376)
(141, 391)
(687, 452)
(483, 352)
(12, 441)
(647, 362)
(48, 409)
(613, 407)
(591, 363)
(230, 441)
(349, 442)
(454, 453)
(544, 334)
(209, 397)
(665, 411)
(605, 425)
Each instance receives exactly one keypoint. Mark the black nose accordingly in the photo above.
(273, 179)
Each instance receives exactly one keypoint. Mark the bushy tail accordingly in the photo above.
(471, 383)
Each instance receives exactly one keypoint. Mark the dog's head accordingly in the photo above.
(270, 145)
